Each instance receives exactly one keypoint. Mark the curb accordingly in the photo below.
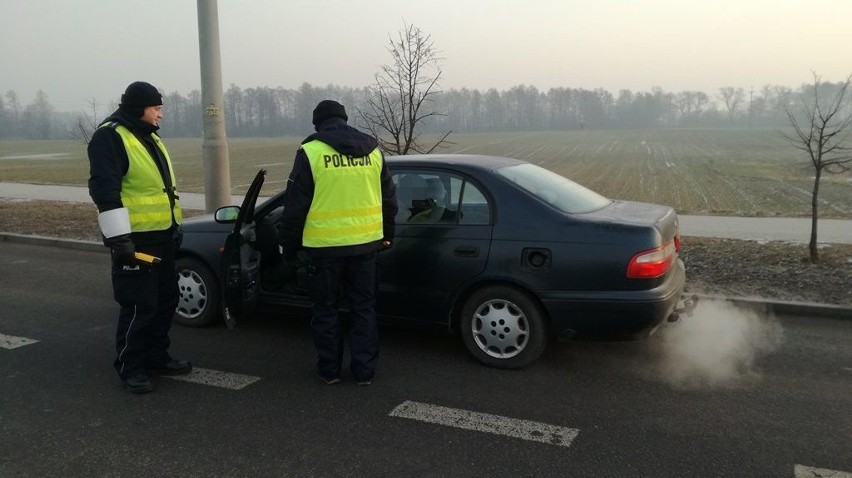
(76, 244)
(768, 306)
(785, 307)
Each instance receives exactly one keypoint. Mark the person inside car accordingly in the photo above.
(431, 208)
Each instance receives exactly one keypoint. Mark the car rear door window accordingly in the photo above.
(473, 207)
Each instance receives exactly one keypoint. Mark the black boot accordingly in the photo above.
(140, 383)
(172, 367)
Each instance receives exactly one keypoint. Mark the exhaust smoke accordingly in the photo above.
(717, 346)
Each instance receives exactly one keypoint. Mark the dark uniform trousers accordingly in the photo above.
(356, 277)
(148, 296)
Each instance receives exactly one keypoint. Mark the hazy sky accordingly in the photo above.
(75, 50)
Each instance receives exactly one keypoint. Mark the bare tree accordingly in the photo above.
(733, 98)
(87, 123)
(12, 121)
(691, 104)
(402, 97)
(38, 116)
(822, 132)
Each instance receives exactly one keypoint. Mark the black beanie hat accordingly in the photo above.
(140, 94)
(328, 109)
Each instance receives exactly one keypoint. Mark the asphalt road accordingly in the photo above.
(747, 396)
(832, 231)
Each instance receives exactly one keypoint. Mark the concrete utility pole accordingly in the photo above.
(217, 173)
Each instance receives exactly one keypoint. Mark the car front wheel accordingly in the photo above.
(199, 293)
(503, 327)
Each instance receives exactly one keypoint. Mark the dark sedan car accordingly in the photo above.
(504, 252)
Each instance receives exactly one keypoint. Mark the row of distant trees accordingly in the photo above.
(269, 112)
(38, 119)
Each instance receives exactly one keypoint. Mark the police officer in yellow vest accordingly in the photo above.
(340, 205)
(132, 182)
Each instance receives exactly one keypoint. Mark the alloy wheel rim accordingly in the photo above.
(193, 294)
(500, 329)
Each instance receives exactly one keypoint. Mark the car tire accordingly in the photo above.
(503, 327)
(198, 305)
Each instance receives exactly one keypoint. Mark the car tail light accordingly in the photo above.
(653, 262)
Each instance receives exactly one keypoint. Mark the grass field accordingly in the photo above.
(709, 171)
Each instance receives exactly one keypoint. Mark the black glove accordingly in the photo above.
(178, 235)
(122, 249)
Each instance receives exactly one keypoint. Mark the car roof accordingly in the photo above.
(468, 161)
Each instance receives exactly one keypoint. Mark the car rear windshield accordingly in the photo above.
(558, 191)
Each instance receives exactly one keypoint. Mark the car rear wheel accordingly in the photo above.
(503, 327)
(199, 293)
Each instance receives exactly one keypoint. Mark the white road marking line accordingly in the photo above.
(483, 422)
(801, 471)
(216, 378)
(12, 342)
(848, 369)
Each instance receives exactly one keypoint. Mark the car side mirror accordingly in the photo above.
(227, 214)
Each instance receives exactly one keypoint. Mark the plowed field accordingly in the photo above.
(711, 171)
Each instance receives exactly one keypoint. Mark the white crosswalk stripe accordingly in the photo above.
(216, 378)
(12, 342)
(801, 471)
(483, 422)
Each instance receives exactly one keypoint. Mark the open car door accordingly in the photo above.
(241, 261)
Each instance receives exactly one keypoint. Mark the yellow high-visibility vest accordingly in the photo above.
(143, 191)
(347, 206)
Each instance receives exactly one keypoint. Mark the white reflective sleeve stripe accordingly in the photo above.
(114, 222)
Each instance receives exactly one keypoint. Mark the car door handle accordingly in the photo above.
(466, 251)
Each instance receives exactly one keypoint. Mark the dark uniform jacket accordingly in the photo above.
(108, 163)
(300, 191)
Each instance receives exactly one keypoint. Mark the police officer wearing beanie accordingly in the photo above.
(340, 205)
(132, 182)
